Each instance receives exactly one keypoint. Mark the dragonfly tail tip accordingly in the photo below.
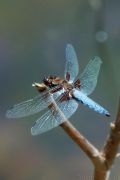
(107, 114)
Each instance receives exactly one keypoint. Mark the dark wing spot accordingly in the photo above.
(67, 76)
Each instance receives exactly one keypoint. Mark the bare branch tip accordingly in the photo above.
(112, 125)
(118, 155)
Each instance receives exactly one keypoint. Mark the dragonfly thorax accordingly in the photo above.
(67, 86)
(52, 81)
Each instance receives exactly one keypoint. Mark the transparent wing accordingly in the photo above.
(79, 96)
(88, 79)
(31, 106)
(72, 67)
(51, 119)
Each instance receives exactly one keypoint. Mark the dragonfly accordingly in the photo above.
(67, 92)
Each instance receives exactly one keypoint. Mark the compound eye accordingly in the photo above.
(45, 80)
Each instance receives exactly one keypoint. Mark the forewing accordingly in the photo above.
(53, 119)
(79, 96)
(31, 106)
(72, 67)
(88, 79)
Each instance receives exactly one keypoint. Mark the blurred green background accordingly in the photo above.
(33, 36)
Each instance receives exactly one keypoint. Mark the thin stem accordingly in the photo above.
(102, 160)
(81, 141)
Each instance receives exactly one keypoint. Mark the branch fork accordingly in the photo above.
(104, 159)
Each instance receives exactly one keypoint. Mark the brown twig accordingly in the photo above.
(102, 160)
(91, 151)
